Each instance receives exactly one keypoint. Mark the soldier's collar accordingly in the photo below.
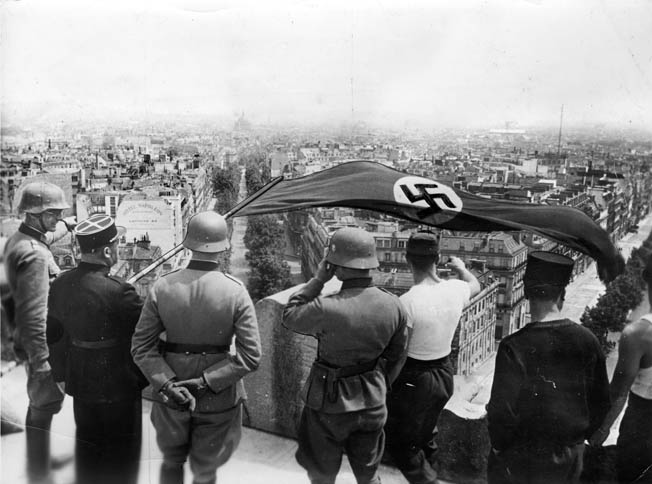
(202, 265)
(551, 323)
(32, 232)
(92, 266)
(357, 282)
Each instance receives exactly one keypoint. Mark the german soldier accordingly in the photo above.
(550, 390)
(196, 381)
(30, 268)
(362, 335)
(95, 314)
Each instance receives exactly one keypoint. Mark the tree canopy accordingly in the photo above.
(621, 295)
(265, 239)
(226, 184)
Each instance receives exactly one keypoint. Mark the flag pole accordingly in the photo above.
(175, 250)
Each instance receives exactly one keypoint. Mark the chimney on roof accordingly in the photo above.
(144, 242)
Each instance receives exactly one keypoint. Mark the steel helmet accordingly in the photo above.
(207, 232)
(37, 197)
(353, 248)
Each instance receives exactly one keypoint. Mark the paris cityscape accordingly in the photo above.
(211, 119)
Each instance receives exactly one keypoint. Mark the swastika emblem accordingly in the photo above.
(432, 197)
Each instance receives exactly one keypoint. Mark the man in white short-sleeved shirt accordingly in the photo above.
(434, 307)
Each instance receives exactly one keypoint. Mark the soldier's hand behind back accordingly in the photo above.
(180, 397)
(196, 386)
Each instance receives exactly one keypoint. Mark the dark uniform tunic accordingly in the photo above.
(362, 333)
(198, 305)
(550, 393)
(95, 315)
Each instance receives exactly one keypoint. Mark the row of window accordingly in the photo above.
(475, 354)
(398, 257)
(387, 243)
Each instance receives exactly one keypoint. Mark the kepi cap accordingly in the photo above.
(423, 243)
(547, 269)
(96, 231)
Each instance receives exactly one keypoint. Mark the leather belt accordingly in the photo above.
(189, 348)
(415, 363)
(96, 345)
(334, 374)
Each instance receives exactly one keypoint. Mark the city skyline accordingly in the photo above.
(456, 64)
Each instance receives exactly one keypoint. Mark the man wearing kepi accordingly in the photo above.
(94, 314)
(196, 381)
(425, 384)
(362, 335)
(550, 389)
(30, 267)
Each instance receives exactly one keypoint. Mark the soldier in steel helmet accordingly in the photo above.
(196, 381)
(94, 315)
(550, 390)
(362, 337)
(30, 267)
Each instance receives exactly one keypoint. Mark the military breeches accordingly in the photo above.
(536, 465)
(207, 439)
(107, 448)
(45, 399)
(418, 396)
(323, 438)
(634, 446)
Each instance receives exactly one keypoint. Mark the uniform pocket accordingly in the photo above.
(316, 388)
(217, 402)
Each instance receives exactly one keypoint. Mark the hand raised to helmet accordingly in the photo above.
(325, 271)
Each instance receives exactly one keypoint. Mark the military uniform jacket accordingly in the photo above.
(358, 325)
(199, 305)
(95, 315)
(30, 267)
(550, 386)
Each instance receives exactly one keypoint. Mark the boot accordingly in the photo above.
(37, 433)
(171, 473)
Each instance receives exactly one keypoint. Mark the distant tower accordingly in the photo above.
(561, 119)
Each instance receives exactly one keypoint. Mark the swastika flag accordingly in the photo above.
(372, 186)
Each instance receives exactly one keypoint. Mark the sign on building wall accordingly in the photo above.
(151, 217)
(84, 206)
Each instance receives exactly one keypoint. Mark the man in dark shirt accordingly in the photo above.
(95, 314)
(550, 389)
(362, 334)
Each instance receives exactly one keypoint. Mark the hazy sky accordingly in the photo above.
(433, 63)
